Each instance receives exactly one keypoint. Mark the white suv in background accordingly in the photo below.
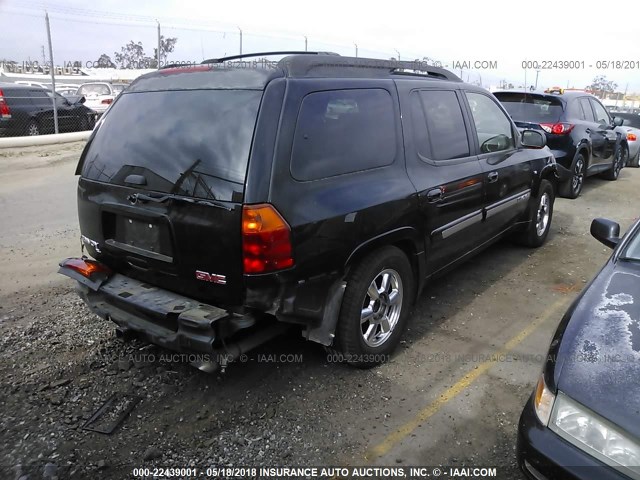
(98, 95)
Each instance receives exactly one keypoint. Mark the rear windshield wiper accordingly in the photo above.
(161, 198)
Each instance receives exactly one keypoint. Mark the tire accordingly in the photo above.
(572, 187)
(367, 343)
(540, 215)
(84, 123)
(635, 162)
(32, 129)
(619, 161)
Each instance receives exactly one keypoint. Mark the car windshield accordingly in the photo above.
(632, 251)
(526, 107)
(94, 88)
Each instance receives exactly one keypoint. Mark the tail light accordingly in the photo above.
(557, 128)
(266, 240)
(632, 137)
(5, 111)
(107, 101)
(85, 267)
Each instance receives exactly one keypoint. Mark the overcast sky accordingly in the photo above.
(503, 32)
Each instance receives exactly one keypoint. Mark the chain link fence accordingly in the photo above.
(95, 55)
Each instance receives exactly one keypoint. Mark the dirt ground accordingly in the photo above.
(438, 402)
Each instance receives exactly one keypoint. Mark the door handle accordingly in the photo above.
(434, 195)
(492, 177)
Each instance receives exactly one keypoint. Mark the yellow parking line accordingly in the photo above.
(399, 434)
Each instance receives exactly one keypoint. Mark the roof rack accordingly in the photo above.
(265, 54)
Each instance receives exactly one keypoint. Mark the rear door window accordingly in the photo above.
(186, 142)
(602, 116)
(343, 131)
(40, 98)
(586, 108)
(439, 128)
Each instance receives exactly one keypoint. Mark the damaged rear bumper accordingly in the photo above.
(156, 315)
(168, 319)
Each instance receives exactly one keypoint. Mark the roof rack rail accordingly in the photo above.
(265, 54)
(420, 70)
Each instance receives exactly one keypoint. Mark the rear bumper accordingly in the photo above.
(153, 314)
(543, 455)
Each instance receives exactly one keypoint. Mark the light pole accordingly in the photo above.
(537, 73)
(356, 49)
(398, 54)
(305, 43)
(240, 40)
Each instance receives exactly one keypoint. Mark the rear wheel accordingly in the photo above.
(375, 308)
(540, 217)
(619, 161)
(572, 187)
(84, 123)
(33, 129)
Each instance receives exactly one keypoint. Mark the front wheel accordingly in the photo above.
(540, 216)
(619, 161)
(375, 308)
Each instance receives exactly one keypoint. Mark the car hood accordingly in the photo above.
(598, 362)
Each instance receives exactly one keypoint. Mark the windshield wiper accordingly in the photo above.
(161, 198)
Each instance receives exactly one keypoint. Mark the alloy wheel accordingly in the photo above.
(381, 307)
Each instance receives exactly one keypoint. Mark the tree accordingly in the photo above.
(166, 47)
(600, 86)
(131, 55)
(105, 62)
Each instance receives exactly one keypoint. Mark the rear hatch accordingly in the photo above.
(161, 190)
(532, 111)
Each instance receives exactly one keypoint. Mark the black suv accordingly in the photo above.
(225, 201)
(580, 133)
(26, 110)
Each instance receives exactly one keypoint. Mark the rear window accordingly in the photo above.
(188, 142)
(525, 107)
(95, 89)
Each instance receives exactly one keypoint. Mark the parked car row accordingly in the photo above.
(583, 137)
(26, 108)
(324, 195)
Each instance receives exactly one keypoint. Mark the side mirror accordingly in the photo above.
(533, 139)
(606, 231)
(82, 99)
(618, 121)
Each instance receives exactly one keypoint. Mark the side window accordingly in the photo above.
(492, 125)
(586, 108)
(602, 116)
(574, 110)
(439, 129)
(40, 98)
(343, 131)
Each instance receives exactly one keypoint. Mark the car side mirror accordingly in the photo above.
(606, 232)
(533, 139)
(618, 121)
(82, 99)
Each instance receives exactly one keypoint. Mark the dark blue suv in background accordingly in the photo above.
(580, 133)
